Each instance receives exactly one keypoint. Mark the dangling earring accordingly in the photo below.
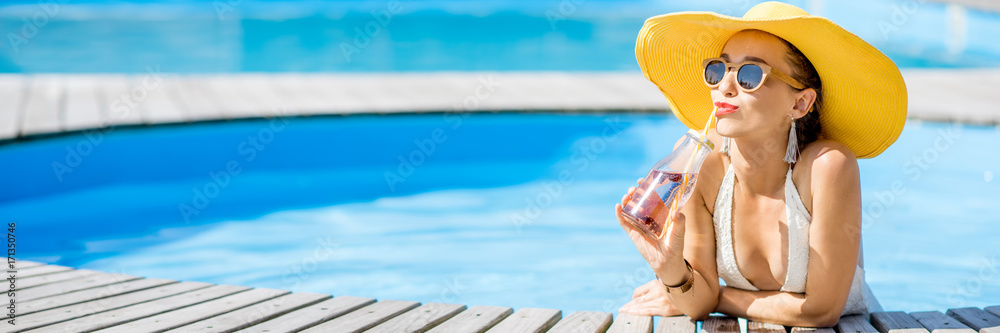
(792, 152)
(725, 146)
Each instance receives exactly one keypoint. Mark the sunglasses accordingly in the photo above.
(749, 74)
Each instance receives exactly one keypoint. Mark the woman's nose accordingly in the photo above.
(728, 84)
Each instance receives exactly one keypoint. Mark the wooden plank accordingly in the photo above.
(233, 100)
(267, 93)
(13, 90)
(40, 270)
(83, 282)
(626, 323)
(120, 99)
(226, 96)
(812, 330)
(855, 324)
(759, 327)
(83, 108)
(311, 315)
(977, 319)
(25, 264)
(477, 319)
(300, 95)
(896, 322)
(62, 314)
(677, 324)
(349, 93)
(81, 296)
(43, 107)
(642, 94)
(985, 5)
(364, 318)
(937, 322)
(720, 324)
(582, 322)
(190, 314)
(132, 312)
(355, 92)
(531, 320)
(416, 92)
(160, 107)
(253, 315)
(196, 101)
(419, 319)
(39, 280)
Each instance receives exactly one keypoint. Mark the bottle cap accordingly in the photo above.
(701, 138)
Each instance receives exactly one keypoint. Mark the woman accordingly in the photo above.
(776, 211)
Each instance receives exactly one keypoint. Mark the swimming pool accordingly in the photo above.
(441, 207)
(575, 35)
(494, 209)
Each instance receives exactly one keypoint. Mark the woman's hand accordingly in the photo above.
(650, 299)
(664, 255)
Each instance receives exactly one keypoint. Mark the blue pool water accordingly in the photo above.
(269, 36)
(476, 215)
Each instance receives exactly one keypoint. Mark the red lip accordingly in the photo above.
(724, 108)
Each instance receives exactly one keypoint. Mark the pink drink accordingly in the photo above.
(650, 211)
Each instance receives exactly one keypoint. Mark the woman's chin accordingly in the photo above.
(726, 128)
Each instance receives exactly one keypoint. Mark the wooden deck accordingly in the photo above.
(986, 5)
(43, 104)
(51, 298)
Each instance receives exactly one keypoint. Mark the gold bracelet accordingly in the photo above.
(684, 287)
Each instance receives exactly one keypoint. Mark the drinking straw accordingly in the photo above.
(708, 125)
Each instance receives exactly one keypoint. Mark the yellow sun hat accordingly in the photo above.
(864, 97)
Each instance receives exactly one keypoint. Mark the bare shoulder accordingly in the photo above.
(828, 158)
(825, 165)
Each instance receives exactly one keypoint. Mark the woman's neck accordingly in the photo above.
(759, 163)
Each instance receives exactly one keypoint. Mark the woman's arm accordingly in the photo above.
(699, 250)
(691, 237)
(834, 243)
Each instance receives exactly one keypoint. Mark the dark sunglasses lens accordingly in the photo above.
(714, 72)
(750, 76)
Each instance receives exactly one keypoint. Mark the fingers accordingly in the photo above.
(630, 304)
(677, 228)
(629, 228)
(639, 181)
(641, 290)
(639, 312)
(648, 308)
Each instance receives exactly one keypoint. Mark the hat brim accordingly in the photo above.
(864, 96)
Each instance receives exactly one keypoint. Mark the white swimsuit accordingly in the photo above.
(860, 300)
